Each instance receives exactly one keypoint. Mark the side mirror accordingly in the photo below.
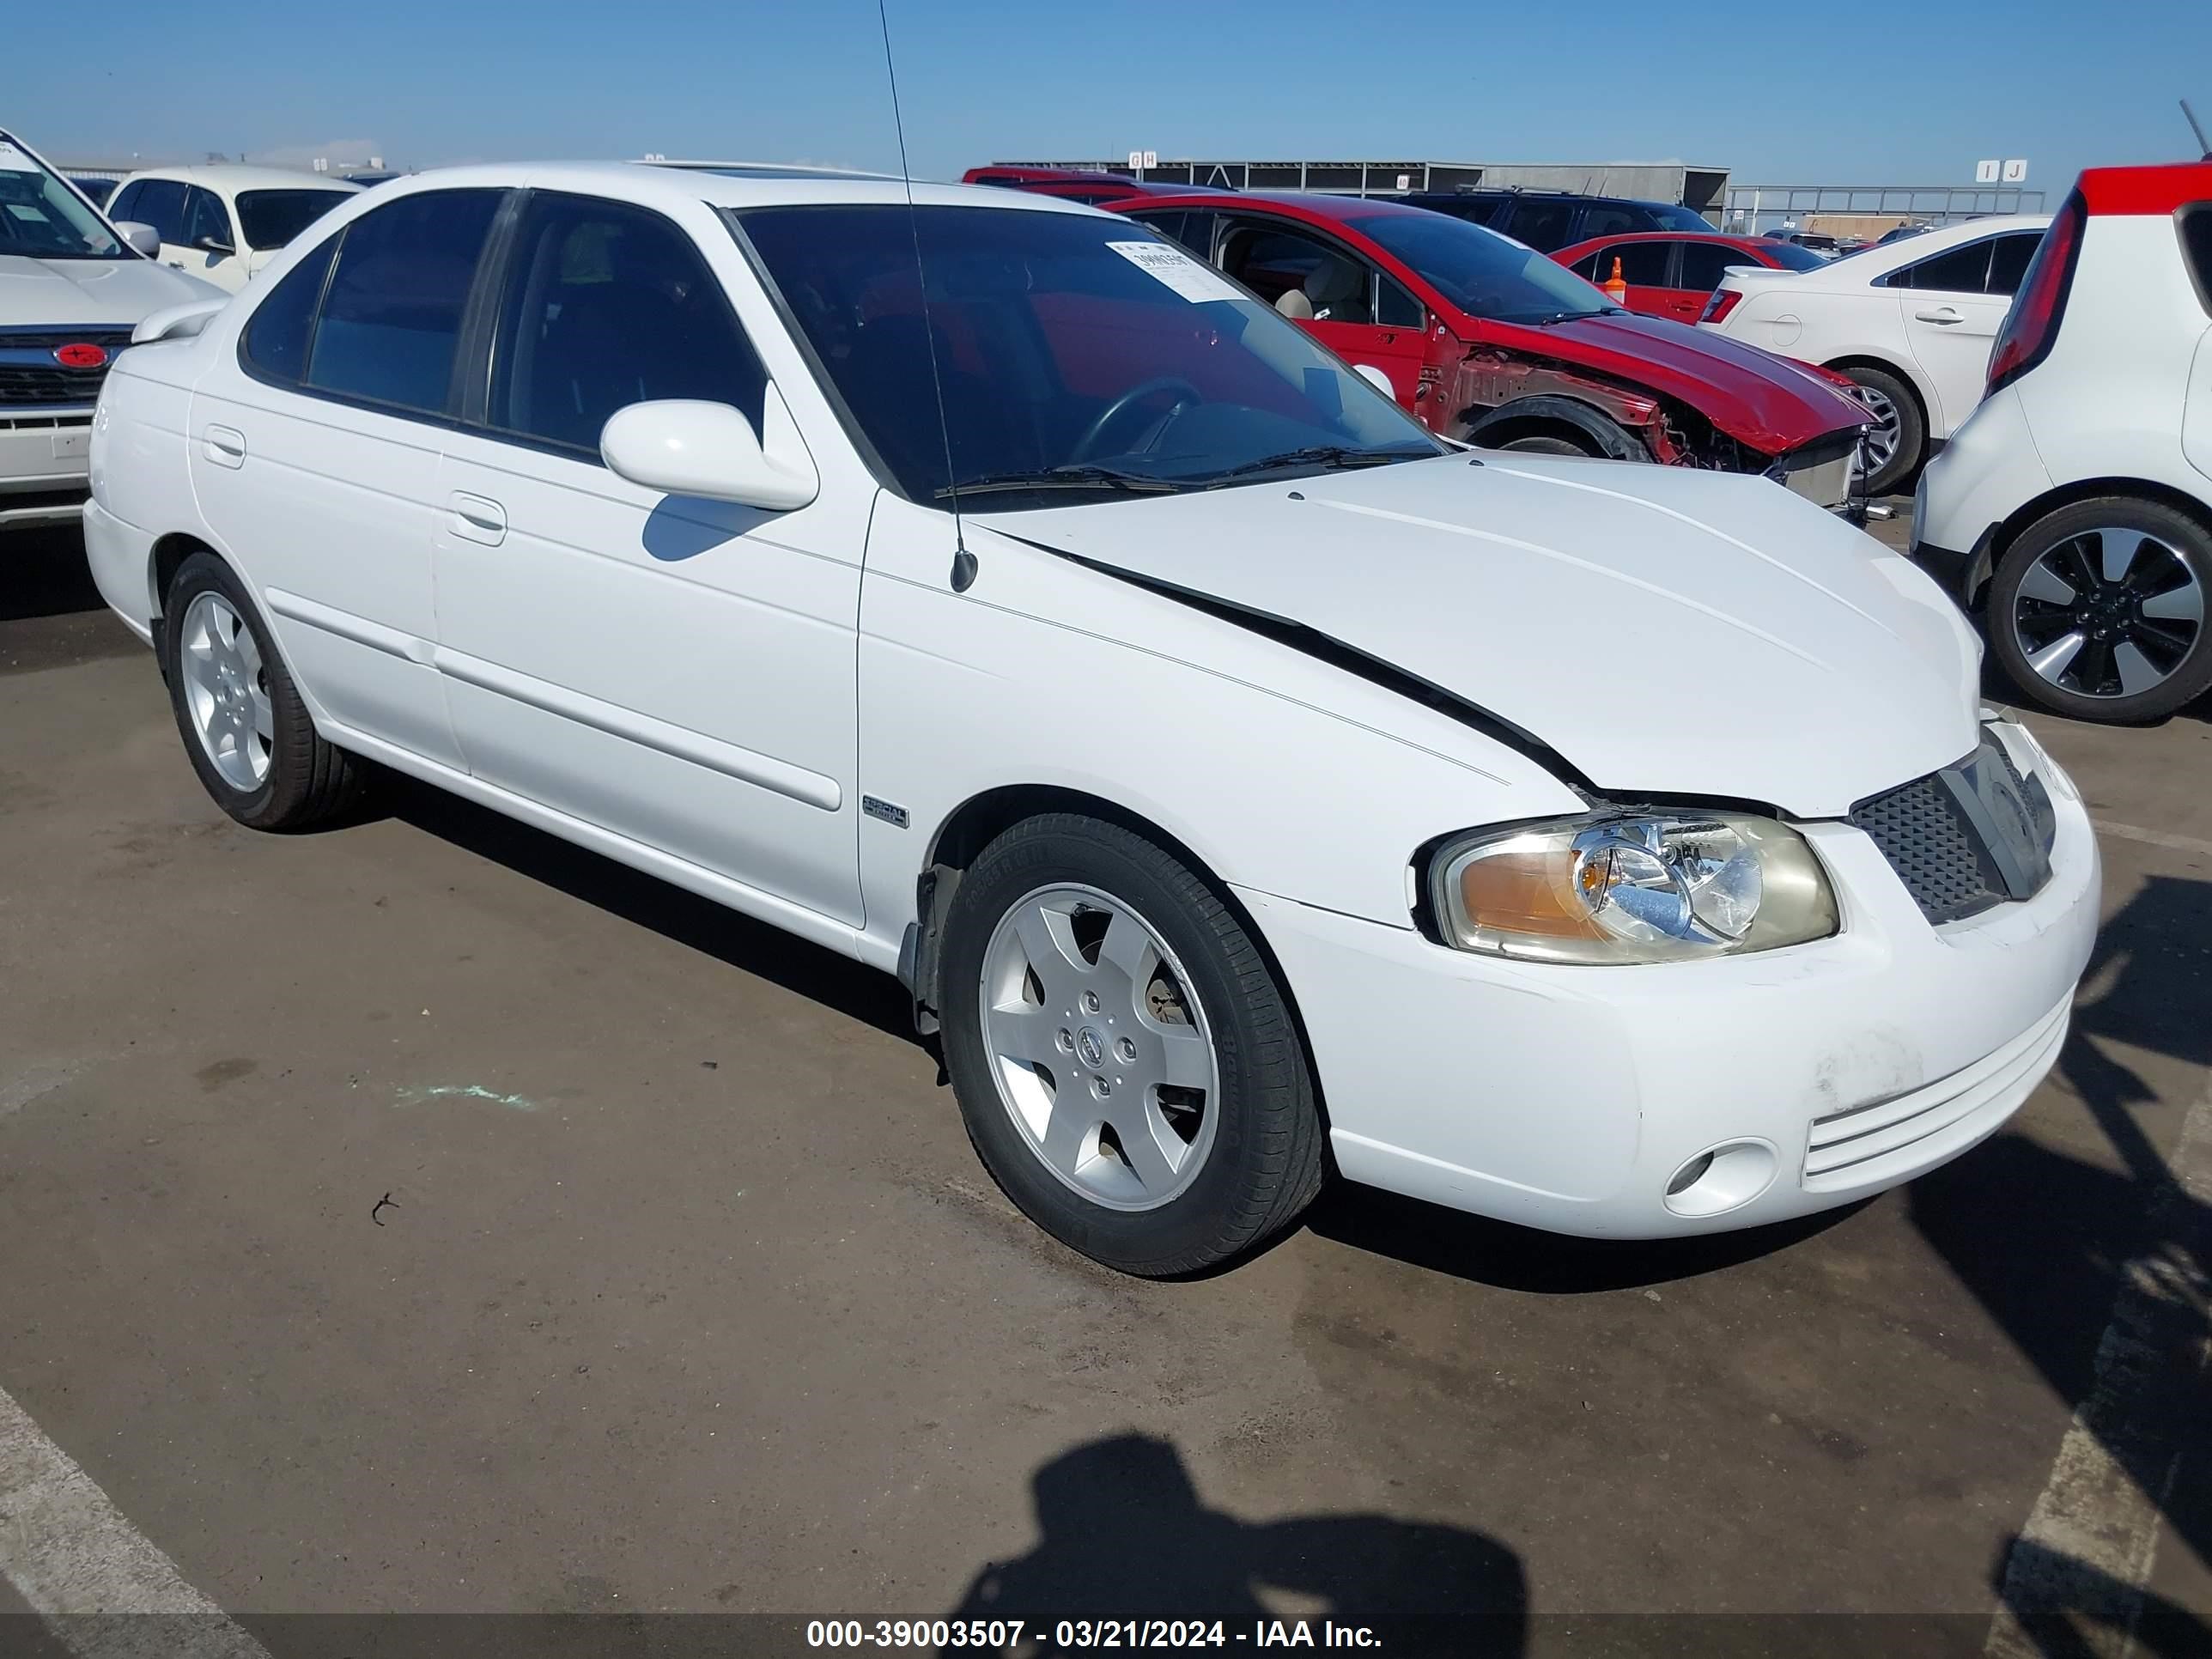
(140, 238)
(1375, 377)
(681, 447)
(176, 322)
(214, 245)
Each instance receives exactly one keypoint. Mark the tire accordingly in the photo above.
(1540, 446)
(1911, 445)
(1250, 1133)
(2143, 650)
(225, 692)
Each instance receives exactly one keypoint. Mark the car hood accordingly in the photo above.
(1756, 397)
(1665, 632)
(112, 293)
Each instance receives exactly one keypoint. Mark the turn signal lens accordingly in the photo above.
(1633, 888)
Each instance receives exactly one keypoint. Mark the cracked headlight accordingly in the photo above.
(1632, 887)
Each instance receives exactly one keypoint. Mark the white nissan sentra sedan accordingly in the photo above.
(1244, 783)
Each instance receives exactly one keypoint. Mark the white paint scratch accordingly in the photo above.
(466, 1091)
(101, 1586)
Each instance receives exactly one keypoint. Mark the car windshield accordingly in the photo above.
(44, 218)
(271, 218)
(1075, 356)
(1484, 274)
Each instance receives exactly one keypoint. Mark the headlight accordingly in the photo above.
(1632, 887)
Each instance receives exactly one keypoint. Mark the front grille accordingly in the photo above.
(29, 375)
(20, 386)
(1933, 850)
(1942, 855)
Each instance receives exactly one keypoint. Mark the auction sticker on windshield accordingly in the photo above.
(1194, 281)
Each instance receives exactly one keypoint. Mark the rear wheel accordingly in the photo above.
(1896, 440)
(2098, 609)
(1127, 1066)
(247, 731)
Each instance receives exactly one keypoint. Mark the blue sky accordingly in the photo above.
(1877, 91)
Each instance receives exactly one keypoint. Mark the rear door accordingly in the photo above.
(315, 455)
(1952, 305)
(1699, 268)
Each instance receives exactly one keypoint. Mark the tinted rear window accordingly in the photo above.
(271, 218)
(392, 320)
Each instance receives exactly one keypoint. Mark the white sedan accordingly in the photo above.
(1243, 782)
(223, 223)
(1910, 321)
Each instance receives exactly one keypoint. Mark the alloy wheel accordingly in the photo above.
(1101, 1053)
(1879, 448)
(227, 691)
(2108, 613)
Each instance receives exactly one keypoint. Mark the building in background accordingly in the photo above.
(1702, 189)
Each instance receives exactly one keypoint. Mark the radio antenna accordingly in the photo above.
(964, 561)
(2190, 116)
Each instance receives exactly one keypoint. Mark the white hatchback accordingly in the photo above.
(1242, 781)
(1910, 321)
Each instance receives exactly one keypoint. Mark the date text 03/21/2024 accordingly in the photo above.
(997, 1635)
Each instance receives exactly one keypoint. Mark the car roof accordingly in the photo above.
(237, 175)
(1338, 209)
(736, 187)
(1731, 238)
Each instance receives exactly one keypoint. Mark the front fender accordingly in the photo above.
(1613, 439)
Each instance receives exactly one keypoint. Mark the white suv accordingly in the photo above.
(2077, 505)
(71, 290)
(223, 223)
(1910, 322)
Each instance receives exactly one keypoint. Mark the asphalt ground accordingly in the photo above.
(683, 1291)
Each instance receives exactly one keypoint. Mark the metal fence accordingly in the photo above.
(1756, 207)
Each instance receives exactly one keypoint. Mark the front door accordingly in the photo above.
(677, 670)
(1347, 303)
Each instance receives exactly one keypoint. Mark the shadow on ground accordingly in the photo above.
(1124, 1534)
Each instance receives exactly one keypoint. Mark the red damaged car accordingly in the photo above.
(1486, 341)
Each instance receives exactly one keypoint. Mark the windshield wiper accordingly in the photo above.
(1575, 316)
(1072, 475)
(1327, 456)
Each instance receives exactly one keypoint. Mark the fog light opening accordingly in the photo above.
(1722, 1178)
(1690, 1174)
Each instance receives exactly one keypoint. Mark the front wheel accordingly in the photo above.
(245, 729)
(1127, 1067)
(2097, 610)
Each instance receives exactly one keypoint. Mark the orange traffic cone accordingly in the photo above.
(1616, 286)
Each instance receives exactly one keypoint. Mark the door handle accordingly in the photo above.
(224, 445)
(1944, 314)
(477, 519)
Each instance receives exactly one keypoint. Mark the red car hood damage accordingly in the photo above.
(1765, 402)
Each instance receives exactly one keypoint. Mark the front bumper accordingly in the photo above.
(1567, 1098)
(43, 463)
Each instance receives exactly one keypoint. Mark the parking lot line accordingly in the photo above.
(2151, 837)
(71, 1555)
(2092, 1539)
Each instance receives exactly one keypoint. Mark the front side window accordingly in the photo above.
(1703, 263)
(1301, 276)
(1643, 264)
(1482, 273)
(207, 226)
(271, 218)
(42, 218)
(391, 319)
(1075, 356)
(608, 304)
